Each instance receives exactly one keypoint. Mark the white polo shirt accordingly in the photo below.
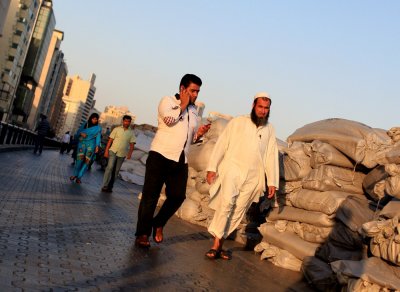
(174, 129)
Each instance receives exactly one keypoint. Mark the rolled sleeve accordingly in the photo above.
(169, 111)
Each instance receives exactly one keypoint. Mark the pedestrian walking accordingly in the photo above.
(167, 160)
(65, 140)
(119, 146)
(42, 129)
(244, 159)
(89, 137)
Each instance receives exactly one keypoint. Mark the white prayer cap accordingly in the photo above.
(261, 94)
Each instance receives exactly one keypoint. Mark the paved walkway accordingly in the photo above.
(60, 236)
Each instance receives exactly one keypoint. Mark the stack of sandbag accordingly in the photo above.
(322, 182)
(381, 271)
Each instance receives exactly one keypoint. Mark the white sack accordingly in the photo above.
(392, 209)
(287, 241)
(392, 185)
(373, 270)
(333, 178)
(296, 164)
(300, 215)
(308, 232)
(357, 141)
(279, 257)
(323, 153)
(374, 182)
(188, 210)
(325, 202)
(385, 242)
(133, 166)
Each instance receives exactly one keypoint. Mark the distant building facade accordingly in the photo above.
(36, 66)
(16, 31)
(112, 116)
(79, 101)
(52, 76)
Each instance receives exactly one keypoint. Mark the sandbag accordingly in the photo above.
(373, 270)
(355, 211)
(344, 237)
(188, 209)
(300, 215)
(359, 285)
(333, 178)
(308, 232)
(392, 186)
(279, 257)
(296, 164)
(325, 202)
(385, 242)
(390, 155)
(374, 183)
(199, 154)
(392, 209)
(288, 241)
(357, 141)
(330, 252)
(319, 274)
(323, 153)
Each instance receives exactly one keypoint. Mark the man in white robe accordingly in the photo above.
(245, 155)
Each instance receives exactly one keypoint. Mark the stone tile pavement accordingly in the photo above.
(60, 236)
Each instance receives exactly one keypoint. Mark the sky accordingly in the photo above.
(316, 59)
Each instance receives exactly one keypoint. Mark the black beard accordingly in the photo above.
(258, 121)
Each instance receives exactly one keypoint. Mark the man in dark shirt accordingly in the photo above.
(42, 131)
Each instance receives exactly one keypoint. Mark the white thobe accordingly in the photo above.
(243, 157)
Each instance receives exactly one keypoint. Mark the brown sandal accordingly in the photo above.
(225, 255)
(142, 241)
(212, 254)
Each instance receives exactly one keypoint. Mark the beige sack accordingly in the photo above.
(287, 241)
(325, 202)
(372, 270)
(296, 164)
(323, 153)
(300, 215)
(333, 178)
(357, 141)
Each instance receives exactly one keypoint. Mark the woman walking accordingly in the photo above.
(89, 137)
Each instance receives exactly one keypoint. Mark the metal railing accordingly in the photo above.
(14, 135)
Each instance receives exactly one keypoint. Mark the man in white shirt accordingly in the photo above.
(245, 154)
(167, 160)
(64, 142)
(120, 140)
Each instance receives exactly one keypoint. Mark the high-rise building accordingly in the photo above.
(14, 42)
(79, 100)
(37, 64)
(4, 4)
(45, 93)
(112, 115)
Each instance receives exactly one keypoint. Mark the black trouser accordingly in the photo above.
(160, 170)
(39, 143)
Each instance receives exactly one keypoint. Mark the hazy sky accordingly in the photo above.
(317, 59)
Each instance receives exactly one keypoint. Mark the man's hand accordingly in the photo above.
(202, 130)
(211, 176)
(185, 98)
(128, 156)
(271, 191)
(96, 150)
